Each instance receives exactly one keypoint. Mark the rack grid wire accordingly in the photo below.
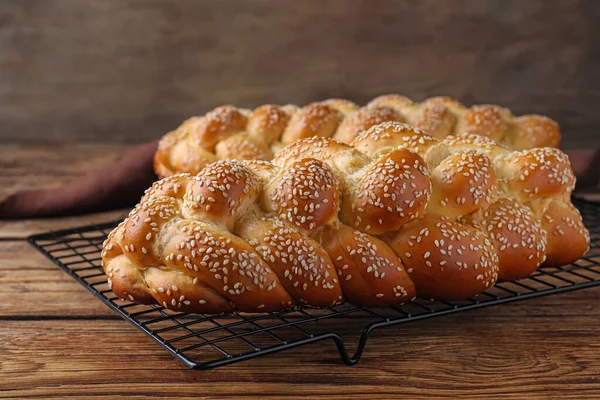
(204, 341)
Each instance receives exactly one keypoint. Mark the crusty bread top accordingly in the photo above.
(228, 132)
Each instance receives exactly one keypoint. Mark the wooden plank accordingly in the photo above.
(31, 286)
(130, 70)
(475, 358)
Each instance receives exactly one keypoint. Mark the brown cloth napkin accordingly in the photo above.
(122, 185)
(117, 186)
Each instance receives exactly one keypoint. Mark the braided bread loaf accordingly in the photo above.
(397, 214)
(231, 133)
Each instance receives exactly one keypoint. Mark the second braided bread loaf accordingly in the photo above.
(228, 132)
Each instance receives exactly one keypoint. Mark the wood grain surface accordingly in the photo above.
(129, 70)
(58, 341)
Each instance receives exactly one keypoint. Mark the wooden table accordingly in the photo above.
(58, 341)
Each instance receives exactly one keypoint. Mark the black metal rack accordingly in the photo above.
(204, 342)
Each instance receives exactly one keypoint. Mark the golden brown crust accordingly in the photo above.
(262, 133)
(304, 267)
(369, 271)
(363, 119)
(395, 101)
(226, 263)
(471, 141)
(435, 119)
(176, 155)
(345, 107)
(446, 260)
(306, 194)
(567, 237)
(303, 230)
(389, 193)
(315, 119)
(531, 131)
(517, 235)
(463, 183)
(484, 120)
(203, 244)
(268, 123)
(183, 292)
(243, 148)
(486, 173)
(215, 126)
(452, 104)
(315, 147)
(536, 173)
(383, 138)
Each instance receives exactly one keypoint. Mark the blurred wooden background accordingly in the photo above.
(126, 71)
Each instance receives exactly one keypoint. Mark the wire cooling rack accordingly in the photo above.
(203, 342)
